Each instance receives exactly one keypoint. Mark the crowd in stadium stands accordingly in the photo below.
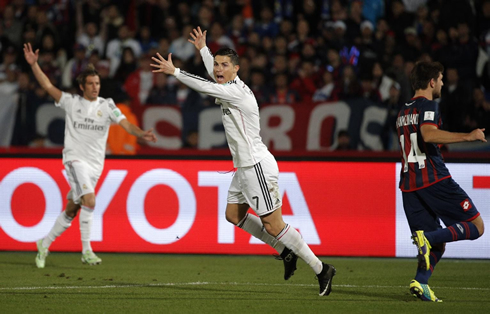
(292, 51)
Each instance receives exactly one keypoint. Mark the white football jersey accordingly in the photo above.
(239, 109)
(86, 128)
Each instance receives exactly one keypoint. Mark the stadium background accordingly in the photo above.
(346, 203)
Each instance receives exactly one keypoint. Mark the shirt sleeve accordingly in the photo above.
(115, 113)
(208, 60)
(430, 114)
(227, 92)
(66, 101)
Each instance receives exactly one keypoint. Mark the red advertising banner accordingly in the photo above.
(177, 206)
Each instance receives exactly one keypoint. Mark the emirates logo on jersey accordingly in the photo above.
(466, 205)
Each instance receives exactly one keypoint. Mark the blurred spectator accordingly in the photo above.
(259, 86)
(48, 45)
(145, 39)
(326, 92)
(382, 82)
(400, 19)
(127, 65)
(343, 141)
(116, 47)
(12, 27)
(265, 25)
(9, 62)
(191, 140)
(478, 113)
(139, 82)
(9, 97)
(74, 67)
(304, 83)
(109, 88)
(25, 119)
(89, 37)
(111, 21)
(217, 38)
(181, 47)
(353, 22)
(237, 32)
(161, 93)
(205, 17)
(369, 90)
(281, 94)
(349, 85)
(454, 101)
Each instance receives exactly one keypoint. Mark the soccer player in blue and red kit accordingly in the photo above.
(429, 192)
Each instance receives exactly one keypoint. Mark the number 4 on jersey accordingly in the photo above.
(415, 155)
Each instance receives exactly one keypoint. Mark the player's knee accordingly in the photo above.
(88, 200)
(231, 218)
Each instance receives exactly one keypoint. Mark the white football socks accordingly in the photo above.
(253, 225)
(86, 218)
(62, 223)
(293, 240)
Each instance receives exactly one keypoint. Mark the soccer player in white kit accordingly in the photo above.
(255, 181)
(87, 125)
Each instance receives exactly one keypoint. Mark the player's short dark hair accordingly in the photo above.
(423, 72)
(89, 71)
(228, 52)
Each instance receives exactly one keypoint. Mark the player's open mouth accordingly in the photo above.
(220, 77)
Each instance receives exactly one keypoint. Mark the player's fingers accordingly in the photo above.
(156, 60)
(170, 57)
(204, 34)
(199, 29)
(160, 57)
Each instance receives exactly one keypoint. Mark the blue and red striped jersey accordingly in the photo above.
(422, 163)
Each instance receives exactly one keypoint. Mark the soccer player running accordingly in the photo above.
(87, 124)
(255, 183)
(429, 192)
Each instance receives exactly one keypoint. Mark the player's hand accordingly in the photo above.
(478, 135)
(162, 65)
(198, 38)
(149, 136)
(31, 57)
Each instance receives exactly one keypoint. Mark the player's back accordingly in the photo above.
(422, 163)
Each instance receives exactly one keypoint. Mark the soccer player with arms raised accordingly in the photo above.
(429, 193)
(88, 118)
(255, 183)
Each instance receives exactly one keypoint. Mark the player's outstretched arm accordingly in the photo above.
(195, 82)
(431, 134)
(31, 58)
(199, 41)
(132, 129)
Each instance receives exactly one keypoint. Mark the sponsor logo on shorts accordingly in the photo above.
(466, 205)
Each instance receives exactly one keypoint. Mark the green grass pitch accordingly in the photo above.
(160, 283)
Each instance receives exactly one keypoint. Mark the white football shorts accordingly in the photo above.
(257, 186)
(82, 179)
